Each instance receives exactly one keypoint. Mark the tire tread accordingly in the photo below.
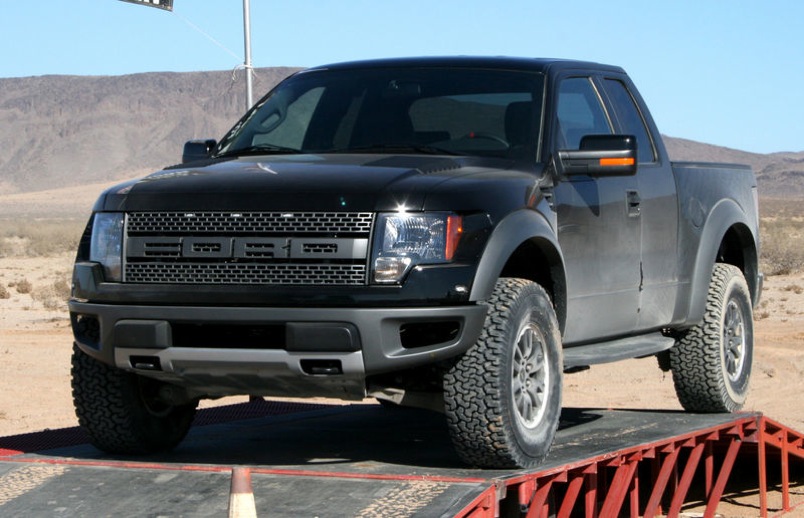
(106, 404)
(474, 390)
(695, 360)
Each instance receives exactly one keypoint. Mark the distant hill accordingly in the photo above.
(778, 174)
(59, 131)
(65, 131)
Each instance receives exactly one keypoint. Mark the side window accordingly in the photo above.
(630, 119)
(580, 112)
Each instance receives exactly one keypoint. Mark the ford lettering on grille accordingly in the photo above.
(245, 248)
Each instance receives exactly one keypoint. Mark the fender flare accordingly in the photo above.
(508, 235)
(723, 216)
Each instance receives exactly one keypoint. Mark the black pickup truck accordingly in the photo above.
(451, 233)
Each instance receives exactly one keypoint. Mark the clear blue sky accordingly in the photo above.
(729, 73)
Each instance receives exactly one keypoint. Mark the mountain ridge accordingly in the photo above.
(64, 131)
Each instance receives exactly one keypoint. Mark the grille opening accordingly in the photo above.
(228, 336)
(162, 250)
(86, 329)
(320, 248)
(422, 334)
(266, 250)
(206, 247)
(322, 367)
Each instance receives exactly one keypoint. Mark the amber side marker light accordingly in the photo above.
(454, 231)
(609, 162)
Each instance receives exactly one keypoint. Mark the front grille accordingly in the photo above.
(249, 248)
(249, 222)
(236, 273)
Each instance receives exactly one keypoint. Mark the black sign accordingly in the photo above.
(167, 5)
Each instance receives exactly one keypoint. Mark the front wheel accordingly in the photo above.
(711, 362)
(123, 412)
(503, 396)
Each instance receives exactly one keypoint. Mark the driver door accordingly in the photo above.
(598, 225)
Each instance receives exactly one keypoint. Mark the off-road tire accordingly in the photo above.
(503, 396)
(120, 412)
(711, 362)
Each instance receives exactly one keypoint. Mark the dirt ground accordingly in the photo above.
(35, 348)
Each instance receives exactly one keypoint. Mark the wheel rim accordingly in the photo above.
(734, 349)
(530, 376)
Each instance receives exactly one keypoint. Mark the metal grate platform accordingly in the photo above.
(365, 460)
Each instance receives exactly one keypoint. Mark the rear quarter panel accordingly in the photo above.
(714, 200)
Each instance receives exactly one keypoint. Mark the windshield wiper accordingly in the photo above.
(262, 149)
(409, 148)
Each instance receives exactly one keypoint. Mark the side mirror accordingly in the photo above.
(600, 155)
(195, 150)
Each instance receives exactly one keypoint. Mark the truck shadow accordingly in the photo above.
(319, 437)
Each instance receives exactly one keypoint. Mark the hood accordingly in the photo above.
(296, 182)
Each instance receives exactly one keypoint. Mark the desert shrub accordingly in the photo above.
(39, 237)
(782, 245)
(23, 286)
(62, 289)
(53, 296)
(4, 293)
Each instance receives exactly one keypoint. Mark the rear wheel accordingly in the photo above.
(503, 396)
(123, 412)
(711, 362)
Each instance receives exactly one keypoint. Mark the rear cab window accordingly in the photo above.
(630, 118)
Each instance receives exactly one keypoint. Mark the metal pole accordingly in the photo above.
(247, 43)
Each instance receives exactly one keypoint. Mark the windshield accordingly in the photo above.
(460, 111)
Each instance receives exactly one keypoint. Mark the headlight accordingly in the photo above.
(404, 240)
(107, 243)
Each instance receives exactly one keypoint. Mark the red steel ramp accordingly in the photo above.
(364, 460)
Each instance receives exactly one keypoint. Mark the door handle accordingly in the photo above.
(633, 202)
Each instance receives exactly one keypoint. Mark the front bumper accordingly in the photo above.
(302, 352)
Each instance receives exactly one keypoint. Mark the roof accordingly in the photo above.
(501, 62)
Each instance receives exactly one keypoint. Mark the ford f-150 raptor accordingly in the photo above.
(453, 233)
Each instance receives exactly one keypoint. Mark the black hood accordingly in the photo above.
(298, 183)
